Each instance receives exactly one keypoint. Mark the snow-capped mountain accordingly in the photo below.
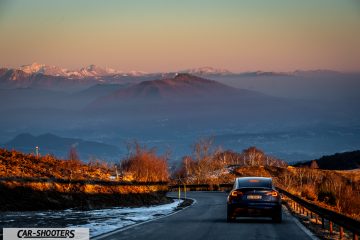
(207, 71)
(89, 71)
(35, 68)
(96, 71)
(44, 76)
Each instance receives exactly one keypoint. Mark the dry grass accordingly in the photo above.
(337, 190)
(17, 164)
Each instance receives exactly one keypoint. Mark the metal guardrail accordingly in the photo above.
(80, 181)
(333, 217)
(343, 221)
(207, 187)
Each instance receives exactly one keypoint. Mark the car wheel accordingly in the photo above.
(277, 217)
(230, 215)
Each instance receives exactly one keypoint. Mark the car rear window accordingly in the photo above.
(254, 183)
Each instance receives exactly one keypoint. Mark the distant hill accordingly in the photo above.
(59, 146)
(183, 87)
(99, 90)
(337, 161)
(187, 101)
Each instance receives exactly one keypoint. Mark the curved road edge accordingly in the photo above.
(300, 225)
(104, 235)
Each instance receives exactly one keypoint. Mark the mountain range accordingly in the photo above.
(97, 71)
(280, 112)
(37, 75)
(311, 84)
(89, 71)
(60, 146)
(56, 78)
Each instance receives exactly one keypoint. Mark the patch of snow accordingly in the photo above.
(116, 218)
(98, 221)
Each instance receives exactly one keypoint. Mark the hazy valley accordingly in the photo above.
(294, 116)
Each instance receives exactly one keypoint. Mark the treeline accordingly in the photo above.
(337, 161)
(209, 164)
(206, 164)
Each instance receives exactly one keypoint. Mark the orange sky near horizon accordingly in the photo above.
(173, 35)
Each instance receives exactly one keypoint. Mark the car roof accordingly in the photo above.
(243, 182)
(255, 178)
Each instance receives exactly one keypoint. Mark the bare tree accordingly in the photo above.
(255, 156)
(314, 164)
(143, 164)
(73, 154)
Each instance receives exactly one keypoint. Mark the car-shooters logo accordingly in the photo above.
(46, 233)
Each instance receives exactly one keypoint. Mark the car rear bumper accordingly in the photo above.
(254, 209)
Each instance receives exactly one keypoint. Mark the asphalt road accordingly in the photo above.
(207, 220)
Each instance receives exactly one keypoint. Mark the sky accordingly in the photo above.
(170, 35)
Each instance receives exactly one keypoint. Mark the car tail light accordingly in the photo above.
(235, 193)
(273, 193)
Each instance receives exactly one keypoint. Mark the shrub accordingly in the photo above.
(308, 192)
(327, 197)
(144, 165)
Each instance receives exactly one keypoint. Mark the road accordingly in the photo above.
(207, 220)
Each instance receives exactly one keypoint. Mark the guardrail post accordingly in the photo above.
(322, 214)
(330, 227)
(185, 191)
(341, 232)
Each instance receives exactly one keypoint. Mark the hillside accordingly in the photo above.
(30, 194)
(18, 164)
(337, 161)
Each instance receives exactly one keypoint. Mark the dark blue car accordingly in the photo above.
(254, 196)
